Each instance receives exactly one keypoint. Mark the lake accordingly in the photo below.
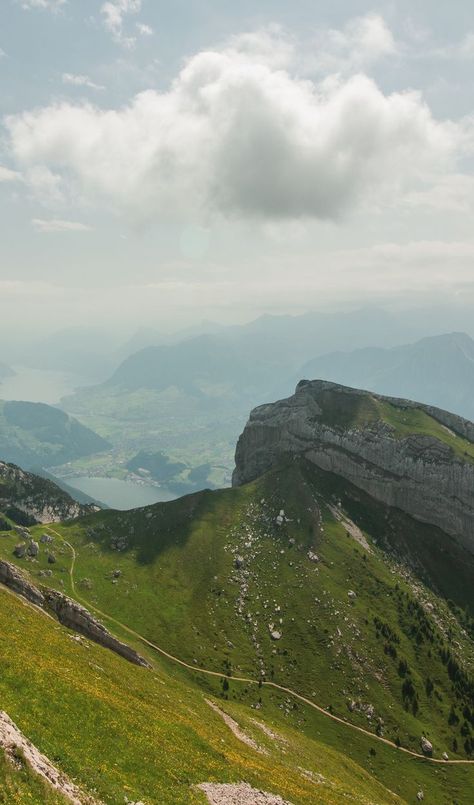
(120, 494)
(39, 385)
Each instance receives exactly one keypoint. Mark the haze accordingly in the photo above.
(166, 163)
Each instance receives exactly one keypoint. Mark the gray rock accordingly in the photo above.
(419, 474)
(33, 548)
(426, 746)
(14, 579)
(51, 559)
(420, 796)
(45, 539)
(20, 550)
(76, 617)
(313, 557)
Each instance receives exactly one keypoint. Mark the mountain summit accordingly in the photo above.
(411, 456)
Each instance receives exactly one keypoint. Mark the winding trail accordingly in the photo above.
(245, 680)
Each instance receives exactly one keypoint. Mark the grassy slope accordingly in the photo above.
(178, 588)
(19, 786)
(119, 730)
(360, 410)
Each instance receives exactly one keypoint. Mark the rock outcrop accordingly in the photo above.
(68, 612)
(27, 499)
(79, 619)
(15, 580)
(340, 431)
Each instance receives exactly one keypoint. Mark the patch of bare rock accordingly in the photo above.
(236, 730)
(239, 794)
(15, 745)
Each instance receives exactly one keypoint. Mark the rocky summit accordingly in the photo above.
(410, 456)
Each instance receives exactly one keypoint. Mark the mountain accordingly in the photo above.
(323, 616)
(409, 456)
(27, 499)
(438, 370)
(35, 433)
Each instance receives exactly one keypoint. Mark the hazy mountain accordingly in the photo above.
(35, 433)
(438, 370)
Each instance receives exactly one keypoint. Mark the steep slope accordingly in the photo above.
(35, 433)
(126, 734)
(414, 457)
(437, 370)
(27, 499)
(304, 599)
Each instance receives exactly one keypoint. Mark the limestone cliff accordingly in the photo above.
(27, 498)
(414, 457)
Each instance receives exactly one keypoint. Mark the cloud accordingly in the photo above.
(239, 135)
(362, 42)
(80, 81)
(49, 5)
(7, 175)
(144, 30)
(114, 13)
(57, 225)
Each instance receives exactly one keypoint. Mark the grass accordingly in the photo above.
(179, 588)
(20, 786)
(407, 421)
(123, 731)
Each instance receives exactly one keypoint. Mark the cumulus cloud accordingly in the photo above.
(239, 134)
(361, 43)
(49, 5)
(57, 225)
(80, 81)
(114, 13)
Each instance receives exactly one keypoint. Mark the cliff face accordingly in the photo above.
(37, 499)
(423, 466)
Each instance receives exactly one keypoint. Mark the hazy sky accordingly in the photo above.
(162, 162)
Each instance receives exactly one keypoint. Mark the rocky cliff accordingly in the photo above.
(414, 457)
(27, 499)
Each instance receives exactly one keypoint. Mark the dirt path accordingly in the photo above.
(18, 747)
(247, 681)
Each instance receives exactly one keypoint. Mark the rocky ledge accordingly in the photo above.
(68, 612)
(417, 473)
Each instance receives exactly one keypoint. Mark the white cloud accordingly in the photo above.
(80, 81)
(239, 135)
(7, 175)
(57, 225)
(363, 41)
(50, 5)
(144, 30)
(113, 13)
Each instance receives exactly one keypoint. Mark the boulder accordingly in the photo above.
(426, 746)
(19, 550)
(33, 548)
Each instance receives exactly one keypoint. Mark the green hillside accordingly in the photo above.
(208, 577)
(38, 434)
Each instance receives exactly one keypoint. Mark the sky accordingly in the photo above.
(163, 163)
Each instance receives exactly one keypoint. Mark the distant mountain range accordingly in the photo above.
(437, 370)
(34, 434)
(191, 399)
